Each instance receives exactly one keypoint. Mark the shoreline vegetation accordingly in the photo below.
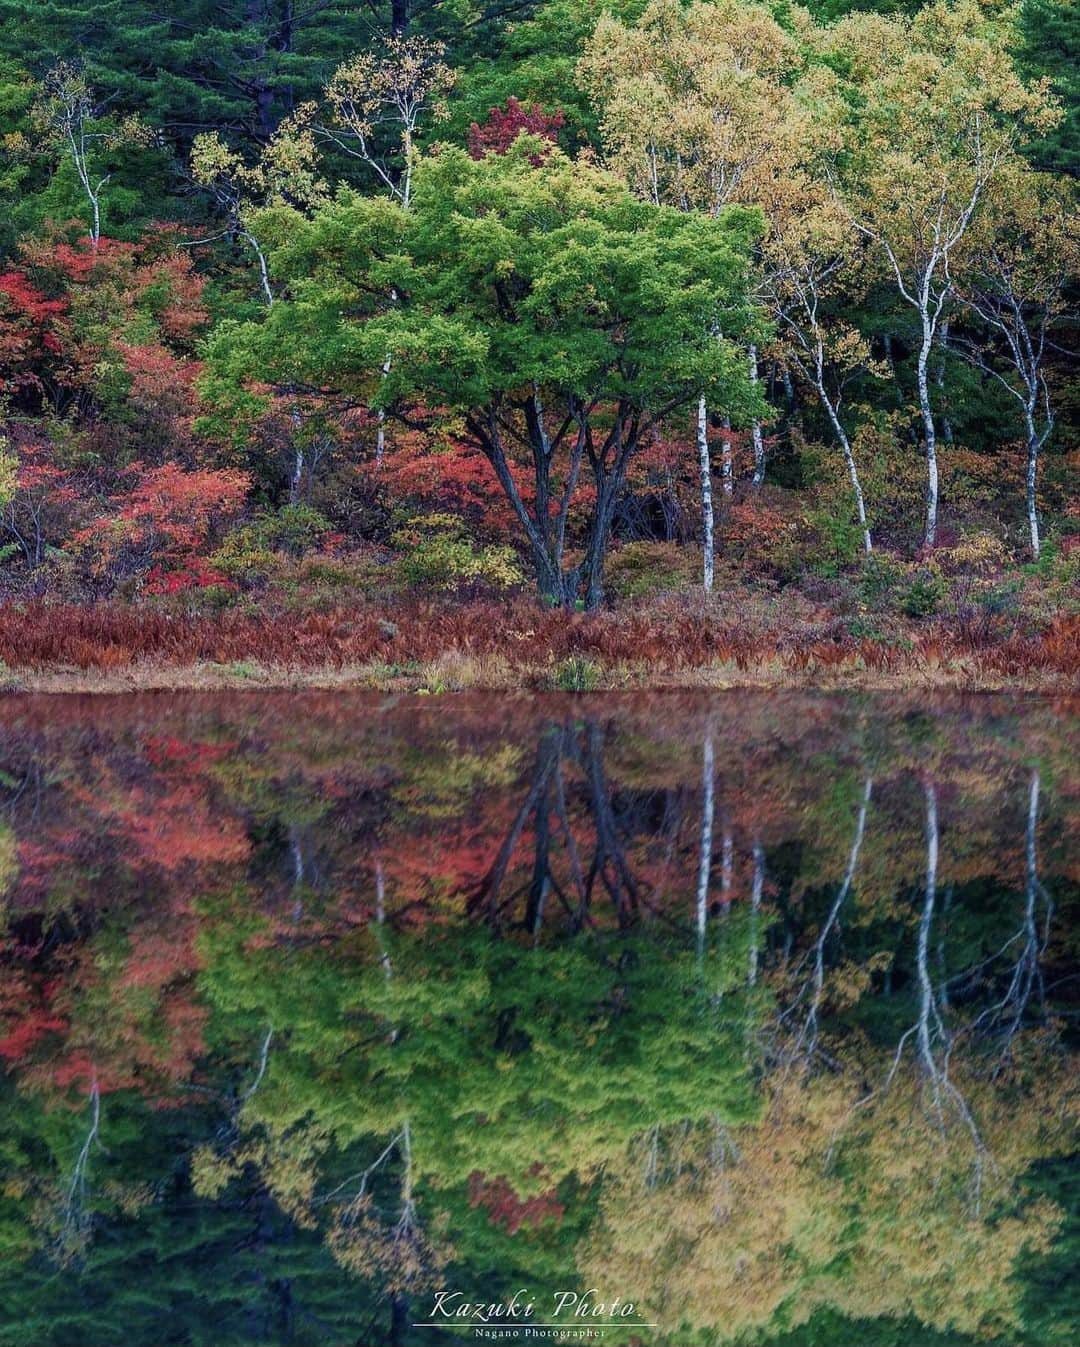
(683, 344)
(514, 646)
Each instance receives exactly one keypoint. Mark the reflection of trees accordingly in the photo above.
(805, 1004)
(574, 871)
(883, 1177)
(501, 981)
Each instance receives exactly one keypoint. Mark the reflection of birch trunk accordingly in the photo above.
(757, 888)
(929, 1027)
(705, 850)
(297, 852)
(264, 1058)
(727, 865)
(1026, 973)
(380, 919)
(76, 1221)
(927, 1006)
(807, 1040)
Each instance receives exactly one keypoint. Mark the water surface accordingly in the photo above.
(757, 1012)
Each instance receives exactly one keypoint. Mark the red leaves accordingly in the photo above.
(509, 1210)
(162, 522)
(32, 333)
(504, 125)
(69, 309)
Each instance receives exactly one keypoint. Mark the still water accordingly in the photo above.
(324, 1018)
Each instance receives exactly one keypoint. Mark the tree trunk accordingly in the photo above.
(930, 434)
(755, 428)
(849, 459)
(939, 381)
(726, 464)
(705, 472)
(756, 891)
(1032, 474)
(705, 851)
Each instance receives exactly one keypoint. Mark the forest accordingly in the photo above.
(539, 342)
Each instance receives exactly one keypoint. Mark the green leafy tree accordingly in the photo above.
(547, 314)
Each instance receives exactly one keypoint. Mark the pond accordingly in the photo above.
(660, 1019)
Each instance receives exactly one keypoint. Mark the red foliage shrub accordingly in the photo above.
(33, 334)
(165, 518)
(504, 125)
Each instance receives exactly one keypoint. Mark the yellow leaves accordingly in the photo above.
(694, 107)
(211, 1173)
(876, 1208)
(9, 472)
(405, 76)
(286, 170)
(211, 158)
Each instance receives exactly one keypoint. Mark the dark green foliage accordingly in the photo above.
(1050, 33)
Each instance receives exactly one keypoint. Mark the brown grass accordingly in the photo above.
(488, 644)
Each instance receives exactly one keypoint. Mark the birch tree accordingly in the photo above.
(285, 172)
(373, 110)
(376, 103)
(940, 109)
(1015, 288)
(697, 111)
(811, 256)
(69, 117)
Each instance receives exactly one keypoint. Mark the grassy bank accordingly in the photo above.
(444, 647)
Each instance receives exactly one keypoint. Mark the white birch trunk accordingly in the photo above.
(755, 428)
(705, 473)
(929, 430)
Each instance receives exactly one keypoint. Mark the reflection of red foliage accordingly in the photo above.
(181, 828)
(510, 1211)
(27, 1033)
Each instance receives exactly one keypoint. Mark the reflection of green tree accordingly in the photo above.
(411, 1073)
(525, 1063)
(1051, 1288)
(183, 1271)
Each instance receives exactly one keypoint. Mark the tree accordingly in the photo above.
(67, 114)
(810, 257)
(1048, 47)
(542, 308)
(504, 125)
(286, 170)
(1016, 285)
(696, 112)
(163, 519)
(940, 111)
(375, 105)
